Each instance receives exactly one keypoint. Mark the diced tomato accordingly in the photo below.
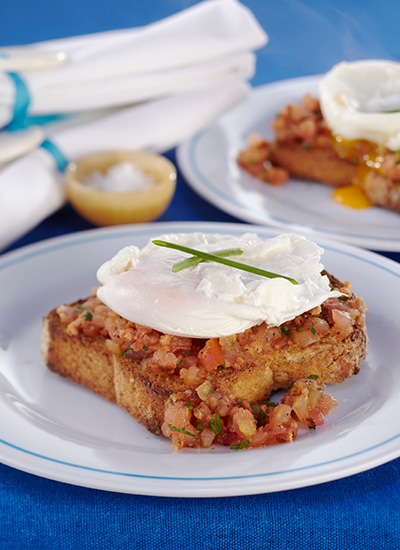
(316, 416)
(211, 355)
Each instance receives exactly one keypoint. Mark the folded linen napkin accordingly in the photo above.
(32, 187)
(204, 43)
(148, 88)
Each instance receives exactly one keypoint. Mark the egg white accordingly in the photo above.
(212, 300)
(356, 98)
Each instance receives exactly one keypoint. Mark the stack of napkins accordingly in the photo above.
(142, 88)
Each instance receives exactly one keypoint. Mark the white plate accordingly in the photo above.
(208, 162)
(57, 429)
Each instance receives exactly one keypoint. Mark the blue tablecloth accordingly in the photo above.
(359, 512)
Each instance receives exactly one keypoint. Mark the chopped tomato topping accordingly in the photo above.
(211, 355)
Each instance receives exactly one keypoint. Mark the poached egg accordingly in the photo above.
(361, 100)
(209, 299)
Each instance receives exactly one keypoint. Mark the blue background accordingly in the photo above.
(360, 512)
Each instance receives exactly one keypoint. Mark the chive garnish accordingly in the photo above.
(218, 421)
(258, 410)
(215, 426)
(224, 261)
(313, 377)
(199, 426)
(271, 403)
(194, 260)
(88, 314)
(123, 352)
(189, 405)
(181, 430)
(240, 445)
(285, 330)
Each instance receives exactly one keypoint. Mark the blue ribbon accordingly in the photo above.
(61, 161)
(21, 104)
(22, 120)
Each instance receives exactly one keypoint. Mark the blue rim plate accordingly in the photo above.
(62, 431)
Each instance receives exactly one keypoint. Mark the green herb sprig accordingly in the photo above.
(216, 426)
(181, 430)
(194, 260)
(224, 261)
(240, 445)
(88, 314)
(258, 410)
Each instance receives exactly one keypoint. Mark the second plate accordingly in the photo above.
(208, 162)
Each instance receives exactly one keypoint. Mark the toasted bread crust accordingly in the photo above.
(325, 166)
(316, 164)
(83, 360)
(381, 191)
(145, 395)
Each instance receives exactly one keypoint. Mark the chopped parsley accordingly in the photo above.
(312, 329)
(189, 405)
(181, 430)
(240, 445)
(199, 425)
(145, 348)
(88, 314)
(285, 330)
(313, 377)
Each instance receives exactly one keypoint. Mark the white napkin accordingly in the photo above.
(147, 88)
(207, 43)
(32, 188)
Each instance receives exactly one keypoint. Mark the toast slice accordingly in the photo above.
(150, 374)
(323, 165)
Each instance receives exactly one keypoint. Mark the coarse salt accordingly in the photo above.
(123, 177)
